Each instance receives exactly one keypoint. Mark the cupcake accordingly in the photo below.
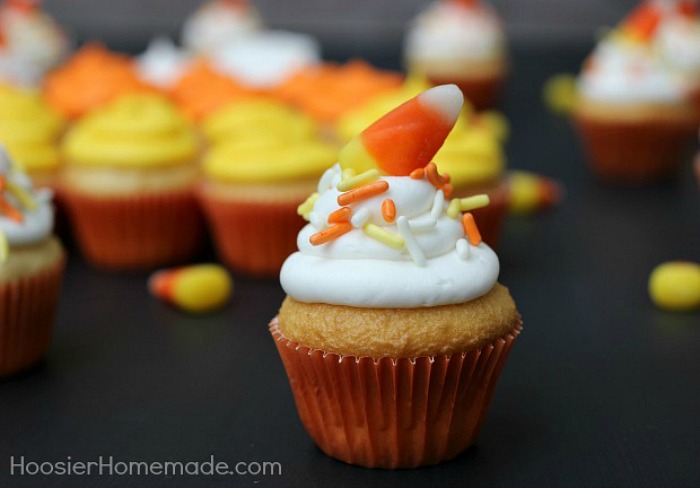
(461, 42)
(218, 24)
(30, 130)
(128, 180)
(162, 65)
(394, 330)
(31, 42)
(31, 267)
(90, 79)
(632, 110)
(253, 182)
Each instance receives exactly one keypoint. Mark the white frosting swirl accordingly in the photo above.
(357, 270)
(37, 223)
(678, 40)
(447, 31)
(162, 64)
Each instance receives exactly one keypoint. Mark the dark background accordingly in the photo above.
(601, 388)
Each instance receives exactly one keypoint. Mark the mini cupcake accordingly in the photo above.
(218, 24)
(394, 330)
(254, 181)
(30, 130)
(130, 170)
(31, 42)
(461, 42)
(162, 65)
(632, 111)
(92, 78)
(31, 268)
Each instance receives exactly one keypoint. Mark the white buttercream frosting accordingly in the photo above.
(448, 31)
(36, 224)
(162, 64)
(218, 24)
(357, 270)
(678, 40)
(266, 59)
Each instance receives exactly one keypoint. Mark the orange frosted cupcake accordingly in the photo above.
(93, 77)
(394, 330)
(31, 268)
(128, 182)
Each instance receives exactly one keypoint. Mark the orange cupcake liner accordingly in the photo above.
(392, 413)
(27, 310)
(490, 218)
(136, 232)
(253, 237)
(636, 152)
(482, 93)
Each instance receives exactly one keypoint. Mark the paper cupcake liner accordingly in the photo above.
(253, 237)
(27, 310)
(628, 151)
(482, 93)
(136, 232)
(489, 219)
(392, 413)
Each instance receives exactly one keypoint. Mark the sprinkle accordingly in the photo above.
(4, 247)
(438, 205)
(462, 248)
(384, 236)
(433, 176)
(362, 193)
(326, 181)
(389, 210)
(341, 215)
(447, 190)
(305, 208)
(359, 180)
(422, 225)
(418, 174)
(10, 211)
(332, 232)
(453, 209)
(347, 174)
(22, 195)
(411, 243)
(317, 221)
(360, 218)
(470, 229)
(471, 203)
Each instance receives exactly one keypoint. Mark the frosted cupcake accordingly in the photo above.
(394, 329)
(31, 267)
(461, 42)
(632, 110)
(128, 182)
(163, 64)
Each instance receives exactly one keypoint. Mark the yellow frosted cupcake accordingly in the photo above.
(128, 182)
(30, 130)
(254, 182)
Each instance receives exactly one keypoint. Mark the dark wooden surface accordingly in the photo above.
(601, 389)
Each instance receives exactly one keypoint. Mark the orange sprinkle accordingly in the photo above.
(433, 176)
(340, 215)
(389, 210)
(447, 190)
(470, 229)
(446, 178)
(417, 174)
(10, 211)
(362, 193)
(332, 232)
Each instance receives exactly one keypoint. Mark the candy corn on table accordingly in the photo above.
(603, 388)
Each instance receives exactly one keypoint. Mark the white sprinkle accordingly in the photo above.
(422, 224)
(462, 248)
(438, 205)
(326, 181)
(317, 221)
(360, 218)
(411, 243)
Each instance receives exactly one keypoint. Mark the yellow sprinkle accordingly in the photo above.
(347, 174)
(471, 203)
(453, 209)
(305, 208)
(359, 180)
(4, 247)
(384, 236)
(25, 199)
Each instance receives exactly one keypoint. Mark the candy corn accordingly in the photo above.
(421, 124)
(530, 192)
(676, 285)
(197, 289)
(641, 24)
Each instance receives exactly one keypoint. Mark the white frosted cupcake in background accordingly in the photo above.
(460, 42)
(32, 42)
(162, 64)
(219, 23)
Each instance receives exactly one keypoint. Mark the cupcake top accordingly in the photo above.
(92, 77)
(29, 128)
(137, 130)
(678, 40)
(383, 232)
(219, 23)
(26, 214)
(162, 64)
(455, 29)
(31, 44)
